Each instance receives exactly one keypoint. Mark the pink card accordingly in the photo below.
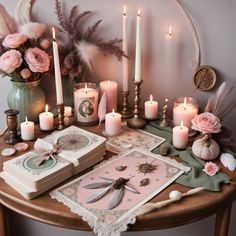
(145, 174)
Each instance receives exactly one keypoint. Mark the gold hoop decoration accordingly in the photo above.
(204, 78)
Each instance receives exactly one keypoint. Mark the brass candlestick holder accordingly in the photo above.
(12, 125)
(164, 122)
(60, 109)
(125, 113)
(136, 122)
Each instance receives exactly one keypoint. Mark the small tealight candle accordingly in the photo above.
(151, 109)
(27, 130)
(67, 111)
(112, 123)
(46, 120)
(180, 136)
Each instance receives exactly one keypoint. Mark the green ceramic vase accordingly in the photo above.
(28, 98)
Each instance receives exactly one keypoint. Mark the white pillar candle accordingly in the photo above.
(46, 120)
(125, 50)
(27, 130)
(112, 123)
(180, 136)
(86, 103)
(151, 109)
(67, 111)
(184, 111)
(137, 76)
(110, 88)
(57, 70)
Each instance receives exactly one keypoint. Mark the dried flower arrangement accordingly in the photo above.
(24, 49)
(82, 47)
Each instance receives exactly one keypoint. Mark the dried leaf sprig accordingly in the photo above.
(82, 45)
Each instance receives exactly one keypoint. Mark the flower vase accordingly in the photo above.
(28, 98)
(68, 91)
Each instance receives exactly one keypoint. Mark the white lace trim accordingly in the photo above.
(115, 230)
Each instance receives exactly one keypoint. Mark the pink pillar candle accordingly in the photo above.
(27, 130)
(185, 108)
(67, 111)
(180, 136)
(112, 123)
(110, 88)
(46, 120)
(151, 109)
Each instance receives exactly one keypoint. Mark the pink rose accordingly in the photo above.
(211, 168)
(10, 60)
(37, 60)
(206, 123)
(25, 73)
(14, 40)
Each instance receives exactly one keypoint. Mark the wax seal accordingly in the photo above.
(21, 147)
(204, 78)
(7, 152)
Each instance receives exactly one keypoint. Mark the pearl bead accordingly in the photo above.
(175, 195)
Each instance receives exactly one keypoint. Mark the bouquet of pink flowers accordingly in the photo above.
(24, 54)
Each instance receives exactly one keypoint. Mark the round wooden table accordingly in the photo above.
(187, 210)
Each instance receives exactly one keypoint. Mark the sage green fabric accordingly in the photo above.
(196, 177)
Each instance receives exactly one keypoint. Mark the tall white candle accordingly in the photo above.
(137, 76)
(112, 123)
(46, 120)
(57, 69)
(180, 136)
(27, 130)
(151, 109)
(125, 50)
(110, 88)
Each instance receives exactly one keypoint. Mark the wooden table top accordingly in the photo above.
(187, 210)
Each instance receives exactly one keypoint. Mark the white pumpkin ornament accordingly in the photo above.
(206, 148)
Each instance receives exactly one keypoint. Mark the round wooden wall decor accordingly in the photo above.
(204, 78)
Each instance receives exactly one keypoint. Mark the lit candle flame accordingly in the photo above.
(86, 88)
(108, 82)
(185, 103)
(139, 10)
(46, 109)
(124, 10)
(53, 33)
(26, 120)
(113, 112)
(170, 31)
(151, 98)
(181, 124)
(166, 100)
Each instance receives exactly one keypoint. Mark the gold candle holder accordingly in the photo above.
(164, 122)
(136, 122)
(12, 125)
(60, 109)
(125, 113)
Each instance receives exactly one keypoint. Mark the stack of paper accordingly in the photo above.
(55, 158)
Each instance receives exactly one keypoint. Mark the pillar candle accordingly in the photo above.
(151, 109)
(110, 88)
(184, 111)
(67, 111)
(27, 130)
(57, 70)
(180, 136)
(137, 76)
(46, 120)
(125, 50)
(112, 123)
(86, 103)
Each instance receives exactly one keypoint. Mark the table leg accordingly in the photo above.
(222, 221)
(3, 221)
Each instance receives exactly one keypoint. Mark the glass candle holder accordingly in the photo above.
(184, 109)
(86, 103)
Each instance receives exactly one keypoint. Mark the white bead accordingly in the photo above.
(175, 195)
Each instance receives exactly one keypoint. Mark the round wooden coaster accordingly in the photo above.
(21, 147)
(7, 152)
(204, 78)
